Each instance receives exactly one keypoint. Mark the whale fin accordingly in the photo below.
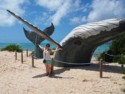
(33, 36)
(49, 30)
(37, 30)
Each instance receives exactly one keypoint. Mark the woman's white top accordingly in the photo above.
(46, 54)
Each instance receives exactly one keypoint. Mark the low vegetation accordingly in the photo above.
(116, 52)
(123, 70)
(12, 47)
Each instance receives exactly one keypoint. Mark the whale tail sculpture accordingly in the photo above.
(37, 30)
(37, 39)
(31, 35)
(79, 45)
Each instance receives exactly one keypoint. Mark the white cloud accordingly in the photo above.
(103, 9)
(52, 5)
(59, 8)
(60, 13)
(41, 18)
(13, 5)
(100, 10)
(78, 20)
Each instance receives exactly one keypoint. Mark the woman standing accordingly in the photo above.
(47, 60)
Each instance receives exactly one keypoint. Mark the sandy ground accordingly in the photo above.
(17, 78)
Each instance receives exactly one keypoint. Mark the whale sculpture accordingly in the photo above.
(79, 45)
(37, 39)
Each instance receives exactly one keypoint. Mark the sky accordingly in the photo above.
(64, 14)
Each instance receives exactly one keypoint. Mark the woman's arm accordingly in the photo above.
(56, 50)
(42, 48)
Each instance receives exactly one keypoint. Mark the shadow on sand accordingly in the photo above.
(53, 76)
(39, 76)
(92, 67)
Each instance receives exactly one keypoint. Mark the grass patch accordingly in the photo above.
(12, 47)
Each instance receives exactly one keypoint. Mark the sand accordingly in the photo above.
(17, 78)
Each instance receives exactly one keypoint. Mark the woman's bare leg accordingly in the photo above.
(49, 69)
(47, 72)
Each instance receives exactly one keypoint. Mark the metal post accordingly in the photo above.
(104, 56)
(15, 55)
(122, 65)
(32, 60)
(100, 68)
(27, 52)
(22, 57)
(122, 60)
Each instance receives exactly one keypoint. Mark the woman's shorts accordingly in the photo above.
(48, 62)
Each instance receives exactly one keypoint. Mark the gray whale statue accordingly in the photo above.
(37, 39)
(79, 45)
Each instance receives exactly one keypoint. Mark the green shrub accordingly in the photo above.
(117, 48)
(123, 70)
(104, 56)
(12, 47)
(122, 59)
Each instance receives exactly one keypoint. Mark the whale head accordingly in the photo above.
(81, 42)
